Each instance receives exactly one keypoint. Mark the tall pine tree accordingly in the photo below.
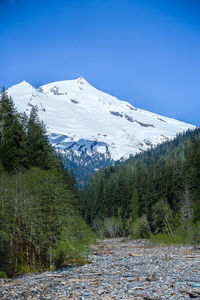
(39, 151)
(12, 136)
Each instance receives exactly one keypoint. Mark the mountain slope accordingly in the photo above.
(79, 117)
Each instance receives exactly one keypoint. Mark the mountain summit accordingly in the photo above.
(80, 117)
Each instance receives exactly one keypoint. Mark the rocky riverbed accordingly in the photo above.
(119, 269)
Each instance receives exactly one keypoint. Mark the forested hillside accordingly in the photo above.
(40, 223)
(154, 192)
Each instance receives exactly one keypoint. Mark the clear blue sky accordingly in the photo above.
(144, 51)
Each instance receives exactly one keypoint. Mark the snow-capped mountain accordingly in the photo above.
(80, 117)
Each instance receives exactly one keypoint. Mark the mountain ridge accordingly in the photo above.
(75, 112)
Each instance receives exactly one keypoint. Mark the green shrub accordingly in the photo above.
(3, 274)
(74, 244)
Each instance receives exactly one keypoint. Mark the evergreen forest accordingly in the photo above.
(153, 194)
(40, 222)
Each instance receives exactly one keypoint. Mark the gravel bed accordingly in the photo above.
(119, 269)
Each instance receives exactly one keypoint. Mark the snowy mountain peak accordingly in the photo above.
(23, 84)
(66, 85)
(81, 80)
(80, 117)
(22, 87)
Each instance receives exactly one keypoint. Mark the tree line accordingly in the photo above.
(40, 223)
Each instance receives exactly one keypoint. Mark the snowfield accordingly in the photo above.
(78, 117)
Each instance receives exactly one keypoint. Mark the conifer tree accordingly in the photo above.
(39, 151)
(12, 136)
(192, 174)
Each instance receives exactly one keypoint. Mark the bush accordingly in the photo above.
(3, 274)
(139, 228)
(74, 243)
(108, 227)
(112, 227)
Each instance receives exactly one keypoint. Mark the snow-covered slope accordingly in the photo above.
(78, 116)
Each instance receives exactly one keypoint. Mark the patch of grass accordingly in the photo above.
(24, 269)
(163, 238)
(3, 274)
(176, 238)
(79, 261)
